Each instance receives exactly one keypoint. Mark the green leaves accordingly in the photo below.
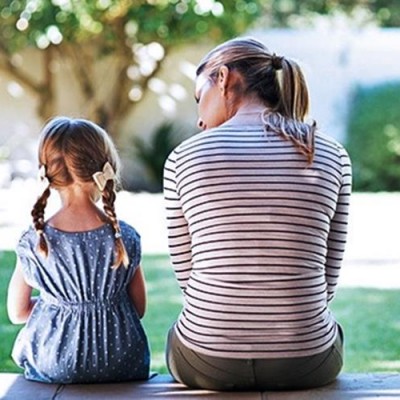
(374, 138)
(153, 152)
(40, 23)
(76, 34)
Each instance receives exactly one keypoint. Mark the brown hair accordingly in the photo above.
(277, 81)
(73, 150)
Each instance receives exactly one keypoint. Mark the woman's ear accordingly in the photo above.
(223, 78)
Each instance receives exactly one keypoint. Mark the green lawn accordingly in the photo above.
(370, 317)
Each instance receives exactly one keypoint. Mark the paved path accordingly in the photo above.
(373, 251)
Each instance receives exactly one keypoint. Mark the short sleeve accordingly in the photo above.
(27, 256)
(137, 256)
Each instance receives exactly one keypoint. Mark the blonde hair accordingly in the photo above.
(74, 150)
(277, 81)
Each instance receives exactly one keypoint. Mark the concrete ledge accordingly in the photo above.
(347, 387)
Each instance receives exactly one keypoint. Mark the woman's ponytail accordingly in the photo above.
(292, 107)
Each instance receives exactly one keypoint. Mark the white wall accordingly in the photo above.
(334, 61)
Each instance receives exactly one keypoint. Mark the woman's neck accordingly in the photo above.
(248, 113)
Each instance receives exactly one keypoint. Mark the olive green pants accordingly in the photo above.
(227, 374)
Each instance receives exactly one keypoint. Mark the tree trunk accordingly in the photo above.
(108, 111)
(43, 90)
(46, 106)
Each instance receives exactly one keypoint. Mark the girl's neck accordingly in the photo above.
(78, 212)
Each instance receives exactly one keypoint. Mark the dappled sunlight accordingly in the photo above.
(185, 392)
(6, 385)
(374, 298)
(396, 324)
(386, 365)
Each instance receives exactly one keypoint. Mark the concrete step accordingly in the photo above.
(347, 387)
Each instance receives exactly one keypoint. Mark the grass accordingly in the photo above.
(371, 321)
(164, 305)
(7, 331)
(370, 318)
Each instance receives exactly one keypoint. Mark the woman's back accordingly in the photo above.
(266, 241)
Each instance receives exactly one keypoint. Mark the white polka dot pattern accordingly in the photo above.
(84, 321)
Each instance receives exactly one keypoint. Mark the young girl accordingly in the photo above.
(85, 324)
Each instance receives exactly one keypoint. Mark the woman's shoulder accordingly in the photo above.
(324, 140)
(204, 137)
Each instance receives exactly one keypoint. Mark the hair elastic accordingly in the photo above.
(276, 62)
(44, 180)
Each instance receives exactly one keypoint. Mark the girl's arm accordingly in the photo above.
(19, 300)
(137, 291)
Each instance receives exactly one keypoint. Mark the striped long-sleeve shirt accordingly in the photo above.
(256, 238)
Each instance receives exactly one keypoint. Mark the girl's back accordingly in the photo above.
(84, 327)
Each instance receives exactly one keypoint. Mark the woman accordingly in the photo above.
(257, 210)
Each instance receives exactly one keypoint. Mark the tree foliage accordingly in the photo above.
(136, 34)
(153, 152)
(384, 13)
(374, 138)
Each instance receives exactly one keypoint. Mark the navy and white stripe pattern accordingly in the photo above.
(256, 237)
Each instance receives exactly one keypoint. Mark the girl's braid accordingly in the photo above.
(108, 197)
(38, 221)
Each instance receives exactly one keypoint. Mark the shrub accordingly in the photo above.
(373, 138)
(152, 152)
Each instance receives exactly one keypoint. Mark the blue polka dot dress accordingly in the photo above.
(84, 327)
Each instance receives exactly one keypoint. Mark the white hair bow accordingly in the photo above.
(101, 178)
